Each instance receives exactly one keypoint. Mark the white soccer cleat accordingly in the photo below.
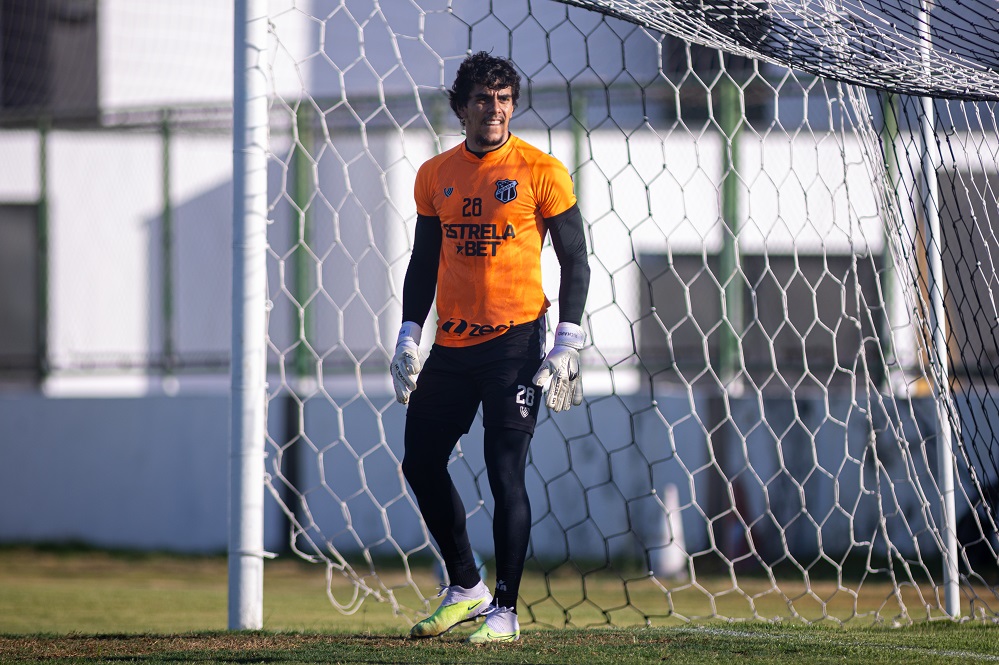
(501, 625)
(459, 605)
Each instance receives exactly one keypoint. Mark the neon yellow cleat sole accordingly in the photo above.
(485, 635)
(448, 616)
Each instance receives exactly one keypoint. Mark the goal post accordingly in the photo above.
(792, 359)
(938, 322)
(249, 365)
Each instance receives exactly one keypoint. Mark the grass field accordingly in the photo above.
(99, 607)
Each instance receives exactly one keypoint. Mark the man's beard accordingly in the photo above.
(486, 140)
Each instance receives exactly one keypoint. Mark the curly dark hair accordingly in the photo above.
(493, 72)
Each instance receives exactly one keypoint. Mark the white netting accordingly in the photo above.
(944, 49)
(760, 431)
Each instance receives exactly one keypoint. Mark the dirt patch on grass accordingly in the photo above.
(118, 646)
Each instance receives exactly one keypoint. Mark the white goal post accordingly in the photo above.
(792, 357)
(249, 364)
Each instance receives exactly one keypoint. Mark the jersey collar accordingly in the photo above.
(490, 156)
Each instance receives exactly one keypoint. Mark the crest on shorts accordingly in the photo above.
(524, 411)
(506, 190)
(448, 191)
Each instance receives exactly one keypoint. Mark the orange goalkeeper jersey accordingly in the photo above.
(492, 211)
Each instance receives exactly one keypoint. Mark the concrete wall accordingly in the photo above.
(136, 473)
(151, 473)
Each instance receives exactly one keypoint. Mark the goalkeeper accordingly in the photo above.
(483, 209)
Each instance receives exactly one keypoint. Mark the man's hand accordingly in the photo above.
(406, 363)
(559, 373)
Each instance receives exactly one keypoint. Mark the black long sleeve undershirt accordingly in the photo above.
(568, 241)
(420, 286)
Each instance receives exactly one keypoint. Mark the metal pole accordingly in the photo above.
(248, 373)
(729, 269)
(44, 367)
(889, 283)
(938, 322)
(166, 250)
(722, 427)
(303, 186)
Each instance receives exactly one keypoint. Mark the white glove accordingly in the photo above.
(406, 364)
(559, 373)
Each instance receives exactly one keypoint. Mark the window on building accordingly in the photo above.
(20, 289)
(969, 216)
(823, 318)
(48, 57)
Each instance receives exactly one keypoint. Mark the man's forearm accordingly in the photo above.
(569, 242)
(420, 284)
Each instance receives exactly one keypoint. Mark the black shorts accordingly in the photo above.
(497, 374)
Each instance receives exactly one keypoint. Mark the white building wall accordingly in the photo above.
(19, 179)
(145, 473)
(151, 473)
(104, 195)
(201, 186)
(106, 200)
(159, 53)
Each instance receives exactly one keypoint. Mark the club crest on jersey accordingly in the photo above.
(506, 190)
(448, 191)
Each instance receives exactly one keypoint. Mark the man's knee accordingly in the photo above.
(410, 467)
(427, 449)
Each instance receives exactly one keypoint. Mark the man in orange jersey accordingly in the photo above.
(483, 210)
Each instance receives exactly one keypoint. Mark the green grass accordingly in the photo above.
(100, 607)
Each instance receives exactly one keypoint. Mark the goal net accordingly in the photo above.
(791, 322)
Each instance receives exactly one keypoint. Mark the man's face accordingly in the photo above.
(487, 117)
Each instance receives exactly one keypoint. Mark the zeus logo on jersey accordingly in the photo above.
(506, 190)
(463, 328)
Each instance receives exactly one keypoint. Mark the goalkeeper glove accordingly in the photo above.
(406, 363)
(559, 373)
